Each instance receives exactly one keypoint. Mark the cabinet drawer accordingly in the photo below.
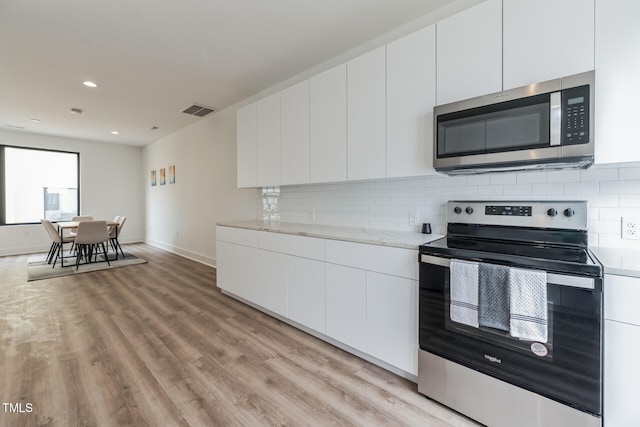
(239, 236)
(381, 259)
(305, 247)
(621, 295)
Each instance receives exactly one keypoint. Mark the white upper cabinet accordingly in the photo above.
(328, 125)
(546, 39)
(294, 134)
(366, 116)
(246, 146)
(617, 81)
(469, 54)
(268, 140)
(411, 96)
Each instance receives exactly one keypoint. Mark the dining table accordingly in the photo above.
(72, 225)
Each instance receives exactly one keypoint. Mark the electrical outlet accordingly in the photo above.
(414, 218)
(630, 228)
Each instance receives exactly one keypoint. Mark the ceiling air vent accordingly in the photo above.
(198, 110)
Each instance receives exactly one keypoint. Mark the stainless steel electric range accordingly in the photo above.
(510, 317)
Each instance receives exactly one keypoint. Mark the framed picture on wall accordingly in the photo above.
(153, 178)
(172, 174)
(162, 176)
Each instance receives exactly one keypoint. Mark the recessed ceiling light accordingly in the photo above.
(115, 132)
(89, 84)
(36, 120)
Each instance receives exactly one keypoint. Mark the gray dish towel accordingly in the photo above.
(493, 296)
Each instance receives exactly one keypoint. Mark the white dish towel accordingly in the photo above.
(464, 292)
(528, 294)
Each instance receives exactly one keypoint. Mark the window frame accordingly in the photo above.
(3, 219)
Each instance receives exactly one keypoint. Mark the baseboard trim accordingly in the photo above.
(194, 256)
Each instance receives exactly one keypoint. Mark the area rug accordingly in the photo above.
(39, 269)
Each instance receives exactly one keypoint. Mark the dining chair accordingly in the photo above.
(57, 244)
(91, 235)
(114, 233)
(80, 218)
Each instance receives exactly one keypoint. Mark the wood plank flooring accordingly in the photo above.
(158, 344)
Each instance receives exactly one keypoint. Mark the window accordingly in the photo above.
(38, 184)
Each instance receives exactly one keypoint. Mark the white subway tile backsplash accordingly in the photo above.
(504, 178)
(630, 173)
(620, 187)
(599, 174)
(547, 191)
(563, 176)
(491, 190)
(629, 200)
(517, 190)
(612, 191)
(581, 188)
(532, 177)
(604, 201)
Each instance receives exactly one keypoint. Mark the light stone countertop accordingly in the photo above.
(398, 239)
(623, 262)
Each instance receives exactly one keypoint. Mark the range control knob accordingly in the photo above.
(469, 210)
(568, 212)
(457, 209)
(552, 212)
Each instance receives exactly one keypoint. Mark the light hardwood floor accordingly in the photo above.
(158, 344)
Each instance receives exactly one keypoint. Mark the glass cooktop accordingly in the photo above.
(576, 260)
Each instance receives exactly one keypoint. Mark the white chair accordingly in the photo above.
(58, 242)
(72, 233)
(114, 233)
(91, 235)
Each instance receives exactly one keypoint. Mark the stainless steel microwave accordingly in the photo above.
(539, 126)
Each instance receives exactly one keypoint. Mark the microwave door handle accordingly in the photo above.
(555, 118)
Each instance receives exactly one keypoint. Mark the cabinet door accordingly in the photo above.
(546, 39)
(328, 137)
(469, 53)
(621, 374)
(392, 320)
(268, 140)
(306, 292)
(294, 134)
(270, 290)
(366, 116)
(346, 305)
(236, 268)
(617, 83)
(411, 96)
(246, 146)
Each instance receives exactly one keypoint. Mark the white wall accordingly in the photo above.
(610, 190)
(110, 185)
(181, 217)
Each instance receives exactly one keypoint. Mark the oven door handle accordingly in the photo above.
(554, 278)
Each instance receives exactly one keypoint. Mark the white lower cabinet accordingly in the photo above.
(270, 291)
(621, 351)
(622, 377)
(306, 292)
(237, 268)
(346, 305)
(392, 320)
(361, 295)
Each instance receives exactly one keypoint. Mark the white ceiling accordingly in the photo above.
(154, 58)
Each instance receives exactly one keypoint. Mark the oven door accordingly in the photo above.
(567, 368)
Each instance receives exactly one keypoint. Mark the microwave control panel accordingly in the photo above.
(575, 111)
